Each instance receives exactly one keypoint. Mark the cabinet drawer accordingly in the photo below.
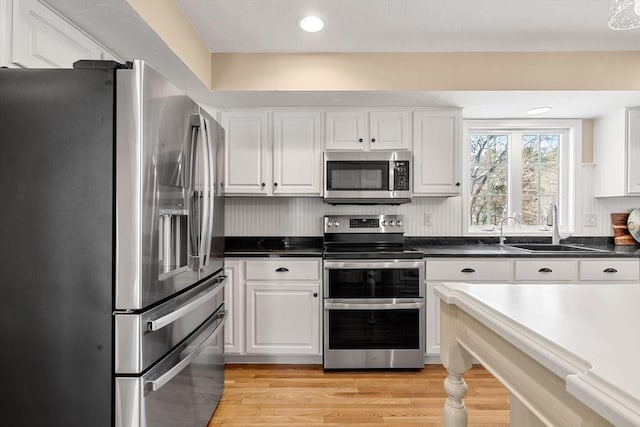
(469, 270)
(282, 269)
(609, 270)
(547, 270)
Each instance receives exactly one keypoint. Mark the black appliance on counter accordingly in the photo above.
(112, 250)
(374, 294)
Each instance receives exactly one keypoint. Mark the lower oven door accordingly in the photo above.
(182, 389)
(380, 333)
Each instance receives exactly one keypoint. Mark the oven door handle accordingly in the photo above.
(373, 306)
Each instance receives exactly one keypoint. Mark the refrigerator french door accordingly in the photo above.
(112, 252)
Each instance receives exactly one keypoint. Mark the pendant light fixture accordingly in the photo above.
(624, 14)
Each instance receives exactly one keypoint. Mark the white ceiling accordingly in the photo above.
(407, 25)
(374, 25)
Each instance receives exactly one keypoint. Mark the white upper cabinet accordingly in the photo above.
(281, 162)
(297, 152)
(375, 130)
(247, 156)
(616, 142)
(37, 37)
(437, 145)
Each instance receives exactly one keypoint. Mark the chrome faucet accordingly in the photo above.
(502, 223)
(552, 220)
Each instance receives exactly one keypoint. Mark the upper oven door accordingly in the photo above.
(373, 279)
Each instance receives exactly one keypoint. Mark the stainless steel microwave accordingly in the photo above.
(367, 177)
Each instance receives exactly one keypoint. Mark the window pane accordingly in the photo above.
(489, 178)
(488, 149)
(540, 175)
(487, 210)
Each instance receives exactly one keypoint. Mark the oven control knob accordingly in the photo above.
(392, 223)
(330, 223)
(337, 223)
(398, 223)
(384, 223)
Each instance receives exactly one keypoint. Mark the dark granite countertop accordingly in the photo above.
(489, 247)
(436, 247)
(273, 247)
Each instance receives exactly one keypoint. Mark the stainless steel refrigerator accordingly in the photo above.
(111, 249)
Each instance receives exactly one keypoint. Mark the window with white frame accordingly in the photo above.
(519, 170)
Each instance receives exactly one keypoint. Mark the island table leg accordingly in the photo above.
(457, 361)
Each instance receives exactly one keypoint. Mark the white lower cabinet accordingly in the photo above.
(233, 304)
(283, 318)
(518, 271)
(468, 270)
(273, 308)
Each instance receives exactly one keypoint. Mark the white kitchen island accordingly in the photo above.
(568, 354)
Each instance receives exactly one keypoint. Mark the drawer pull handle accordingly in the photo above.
(610, 270)
(282, 269)
(545, 270)
(467, 270)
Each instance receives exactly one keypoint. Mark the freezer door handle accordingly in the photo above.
(157, 384)
(161, 322)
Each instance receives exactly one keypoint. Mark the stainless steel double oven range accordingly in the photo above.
(374, 295)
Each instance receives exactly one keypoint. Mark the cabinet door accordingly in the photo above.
(633, 151)
(43, 39)
(345, 130)
(283, 318)
(297, 153)
(233, 327)
(436, 153)
(247, 166)
(389, 130)
(433, 321)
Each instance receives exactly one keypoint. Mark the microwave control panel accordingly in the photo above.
(401, 176)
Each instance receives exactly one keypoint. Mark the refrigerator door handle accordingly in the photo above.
(157, 384)
(199, 209)
(211, 178)
(161, 322)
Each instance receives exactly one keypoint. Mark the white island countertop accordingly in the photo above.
(589, 335)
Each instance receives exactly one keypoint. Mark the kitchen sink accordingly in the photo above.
(550, 248)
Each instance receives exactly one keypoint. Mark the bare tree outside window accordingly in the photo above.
(513, 173)
(489, 181)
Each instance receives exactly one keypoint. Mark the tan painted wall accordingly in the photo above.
(168, 21)
(427, 71)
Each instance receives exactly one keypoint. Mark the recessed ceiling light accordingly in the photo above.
(311, 24)
(539, 110)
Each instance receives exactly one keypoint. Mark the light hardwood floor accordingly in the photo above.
(305, 395)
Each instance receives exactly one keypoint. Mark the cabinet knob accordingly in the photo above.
(360, 140)
(545, 270)
(315, 295)
(467, 270)
(275, 184)
(457, 184)
(263, 184)
(282, 270)
(610, 270)
(373, 140)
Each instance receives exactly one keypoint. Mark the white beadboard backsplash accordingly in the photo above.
(302, 216)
